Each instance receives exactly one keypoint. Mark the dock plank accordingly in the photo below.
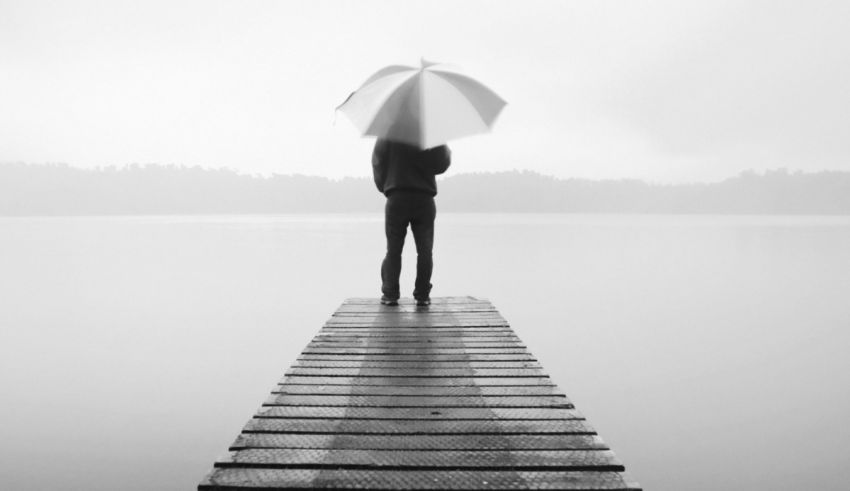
(429, 401)
(386, 341)
(425, 358)
(468, 350)
(528, 460)
(423, 344)
(445, 397)
(469, 442)
(396, 335)
(226, 479)
(407, 391)
(345, 337)
(409, 372)
(416, 413)
(415, 364)
(448, 323)
(418, 427)
(419, 381)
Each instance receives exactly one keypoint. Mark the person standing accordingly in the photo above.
(406, 174)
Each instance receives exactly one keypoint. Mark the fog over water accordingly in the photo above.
(709, 352)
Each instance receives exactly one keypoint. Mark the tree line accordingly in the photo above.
(59, 189)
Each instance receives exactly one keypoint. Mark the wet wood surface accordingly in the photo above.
(439, 397)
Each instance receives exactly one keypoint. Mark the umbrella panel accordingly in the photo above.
(425, 107)
(400, 117)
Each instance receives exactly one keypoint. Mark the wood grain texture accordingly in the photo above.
(445, 397)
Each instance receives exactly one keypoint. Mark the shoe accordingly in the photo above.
(423, 302)
(385, 300)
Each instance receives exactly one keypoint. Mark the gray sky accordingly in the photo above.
(665, 91)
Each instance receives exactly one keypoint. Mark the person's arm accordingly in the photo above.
(440, 158)
(379, 164)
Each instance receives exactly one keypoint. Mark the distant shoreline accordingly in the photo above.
(61, 190)
(380, 214)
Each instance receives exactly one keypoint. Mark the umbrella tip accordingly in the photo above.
(426, 63)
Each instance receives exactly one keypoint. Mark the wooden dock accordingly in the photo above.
(439, 397)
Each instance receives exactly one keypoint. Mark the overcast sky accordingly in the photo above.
(670, 91)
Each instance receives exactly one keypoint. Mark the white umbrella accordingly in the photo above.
(425, 106)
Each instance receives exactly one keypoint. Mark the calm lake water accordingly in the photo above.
(709, 352)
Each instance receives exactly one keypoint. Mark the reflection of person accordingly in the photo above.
(405, 174)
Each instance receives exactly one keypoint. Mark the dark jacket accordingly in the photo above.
(398, 166)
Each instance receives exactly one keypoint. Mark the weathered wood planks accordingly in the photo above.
(443, 397)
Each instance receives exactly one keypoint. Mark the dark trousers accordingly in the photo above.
(418, 210)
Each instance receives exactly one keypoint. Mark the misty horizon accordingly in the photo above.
(60, 189)
(455, 170)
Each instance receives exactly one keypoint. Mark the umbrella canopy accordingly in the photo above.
(425, 106)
